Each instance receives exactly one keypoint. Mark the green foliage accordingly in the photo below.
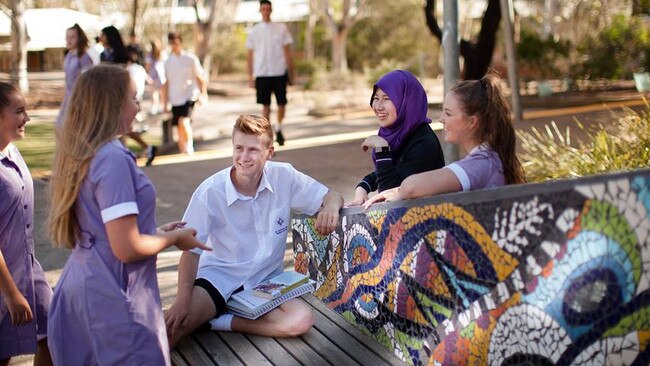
(320, 38)
(541, 54)
(229, 54)
(551, 155)
(384, 67)
(618, 50)
(306, 67)
(315, 69)
(394, 31)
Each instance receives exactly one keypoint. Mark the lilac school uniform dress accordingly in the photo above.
(481, 168)
(17, 246)
(73, 66)
(105, 311)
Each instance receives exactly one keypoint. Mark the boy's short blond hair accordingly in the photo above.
(253, 124)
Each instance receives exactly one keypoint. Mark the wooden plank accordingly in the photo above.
(273, 351)
(343, 340)
(302, 351)
(246, 350)
(177, 359)
(370, 343)
(192, 352)
(216, 349)
(328, 350)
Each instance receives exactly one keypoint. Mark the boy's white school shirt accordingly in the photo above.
(248, 234)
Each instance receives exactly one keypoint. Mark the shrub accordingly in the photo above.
(551, 155)
(385, 66)
(616, 51)
(541, 54)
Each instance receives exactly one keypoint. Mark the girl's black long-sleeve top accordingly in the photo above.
(420, 152)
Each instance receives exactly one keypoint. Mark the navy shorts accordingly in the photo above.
(180, 111)
(265, 85)
(215, 295)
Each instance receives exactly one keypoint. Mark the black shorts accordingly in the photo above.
(215, 295)
(180, 111)
(265, 85)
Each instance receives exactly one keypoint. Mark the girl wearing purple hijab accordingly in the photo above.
(405, 144)
(475, 116)
(25, 292)
(106, 306)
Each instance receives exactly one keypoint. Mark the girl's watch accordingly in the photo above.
(382, 149)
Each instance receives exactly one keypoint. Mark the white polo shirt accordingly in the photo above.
(181, 72)
(267, 40)
(139, 79)
(248, 234)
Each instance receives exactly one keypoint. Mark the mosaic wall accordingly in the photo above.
(542, 274)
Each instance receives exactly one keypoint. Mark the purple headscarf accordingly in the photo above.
(410, 100)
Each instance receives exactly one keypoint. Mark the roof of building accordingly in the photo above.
(46, 27)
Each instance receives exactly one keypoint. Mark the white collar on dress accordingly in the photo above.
(10, 147)
(481, 147)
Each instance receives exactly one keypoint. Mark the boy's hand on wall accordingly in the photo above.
(327, 220)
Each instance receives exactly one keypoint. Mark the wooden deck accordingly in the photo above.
(332, 341)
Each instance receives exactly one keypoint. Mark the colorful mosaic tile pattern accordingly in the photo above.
(556, 277)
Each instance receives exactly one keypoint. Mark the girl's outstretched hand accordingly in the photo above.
(184, 239)
(171, 226)
(387, 195)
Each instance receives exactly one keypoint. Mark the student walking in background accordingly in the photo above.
(405, 144)
(106, 306)
(476, 116)
(184, 84)
(96, 50)
(269, 64)
(139, 78)
(77, 60)
(114, 49)
(25, 294)
(155, 66)
(135, 47)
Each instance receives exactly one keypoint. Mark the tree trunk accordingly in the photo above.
(134, 16)
(309, 31)
(340, 31)
(205, 29)
(18, 46)
(477, 57)
(339, 52)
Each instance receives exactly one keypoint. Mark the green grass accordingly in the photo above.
(37, 148)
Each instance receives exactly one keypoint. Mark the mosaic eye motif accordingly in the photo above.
(591, 296)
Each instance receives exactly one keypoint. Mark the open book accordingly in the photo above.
(279, 285)
(245, 304)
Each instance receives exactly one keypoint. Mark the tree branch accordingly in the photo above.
(195, 5)
(432, 23)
